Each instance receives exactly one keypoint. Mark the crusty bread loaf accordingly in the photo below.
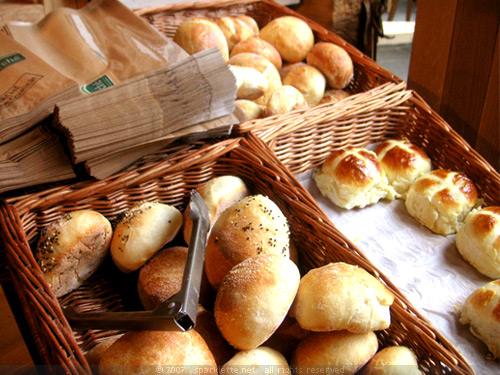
(264, 66)
(261, 47)
(480, 311)
(262, 361)
(478, 240)
(441, 199)
(196, 34)
(339, 352)
(333, 96)
(252, 226)
(142, 352)
(218, 193)
(393, 360)
(353, 177)
(235, 30)
(403, 163)
(254, 299)
(142, 231)
(334, 62)
(71, 249)
(250, 83)
(340, 296)
(285, 99)
(250, 109)
(309, 81)
(291, 36)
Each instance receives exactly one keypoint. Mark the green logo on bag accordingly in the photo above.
(99, 84)
(10, 59)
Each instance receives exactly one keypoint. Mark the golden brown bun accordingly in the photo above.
(72, 248)
(309, 81)
(264, 66)
(353, 177)
(289, 67)
(235, 30)
(197, 34)
(334, 62)
(333, 96)
(252, 226)
(259, 46)
(261, 360)
(250, 109)
(142, 231)
(287, 336)
(340, 296)
(393, 360)
(291, 36)
(478, 240)
(285, 99)
(218, 193)
(403, 163)
(480, 311)
(250, 21)
(254, 299)
(141, 352)
(339, 351)
(94, 355)
(250, 83)
(441, 199)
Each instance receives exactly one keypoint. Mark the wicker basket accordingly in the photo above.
(170, 181)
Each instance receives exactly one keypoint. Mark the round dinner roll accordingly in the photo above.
(250, 21)
(333, 96)
(403, 163)
(196, 34)
(252, 226)
(250, 83)
(285, 99)
(289, 67)
(480, 311)
(393, 360)
(287, 336)
(353, 177)
(254, 299)
(340, 296)
(264, 66)
(309, 81)
(262, 361)
(291, 36)
(478, 240)
(142, 231)
(141, 352)
(94, 355)
(250, 109)
(218, 193)
(334, 62)
(72, 248)
(259, 46)
(339, 352)
(235, 30)
(441, 199)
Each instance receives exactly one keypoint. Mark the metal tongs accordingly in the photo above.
(178, 313)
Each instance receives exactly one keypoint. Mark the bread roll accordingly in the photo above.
(253, 226)
(338, 352)
(291, 36)
(285, 99)
(258, 46)
(353, 177)
(289, 67)
(440, 200)
(250, 21)
(250, 83)
(340, 296)
(254, 299)
(196, 34)
(250, 109)
(478, 240)
(333, 96)
(72, 248)
(309, 81)
(142, 352)
(94, 355)
(143, 230)
(393, 360)
(334, 62)
(264, 66)
(480, 311)
(218, 193)
(262, 360)
(403, 163)
(235, 30)
(287, 336)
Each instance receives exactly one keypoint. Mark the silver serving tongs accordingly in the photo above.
(178, 313)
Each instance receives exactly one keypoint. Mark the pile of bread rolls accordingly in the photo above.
(278, 68)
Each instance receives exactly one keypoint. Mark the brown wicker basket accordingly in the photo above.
(170, 181)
